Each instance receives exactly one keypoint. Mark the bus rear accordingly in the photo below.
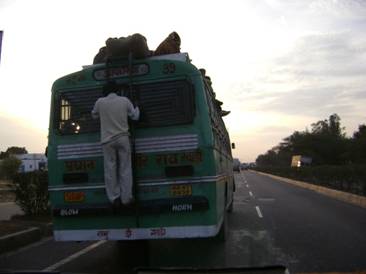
(182, 181)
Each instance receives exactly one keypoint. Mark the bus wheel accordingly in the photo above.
(231, 206)
(222, 235)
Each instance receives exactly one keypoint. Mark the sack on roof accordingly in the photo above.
(101, 56)
(121, 47)
(170, 45)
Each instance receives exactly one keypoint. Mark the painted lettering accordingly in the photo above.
(83, 165)
(159, 232)
(173, 159)
(103, 234)
(183, 207)
(128, 233)
(69, 212)
(121, 72)
(193, 157)
(150, 189)
(167, 159)
(181, 190)
(141, 160)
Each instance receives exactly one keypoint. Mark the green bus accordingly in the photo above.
(182, 161)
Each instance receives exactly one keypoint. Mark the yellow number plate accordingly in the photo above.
(181, 190)
(74, 196)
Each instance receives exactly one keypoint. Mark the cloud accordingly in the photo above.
(323, 72)
(350, 9)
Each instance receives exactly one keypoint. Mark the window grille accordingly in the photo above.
(161, 104)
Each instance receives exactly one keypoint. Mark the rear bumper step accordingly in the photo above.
(144, 207)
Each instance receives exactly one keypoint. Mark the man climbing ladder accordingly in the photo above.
(113, 111)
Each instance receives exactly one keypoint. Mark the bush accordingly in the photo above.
(31, 191)
(9, 167)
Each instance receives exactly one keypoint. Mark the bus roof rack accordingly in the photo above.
(182, 57)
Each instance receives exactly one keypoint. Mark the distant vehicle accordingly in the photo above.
(183, 166)
(236, 164)
(300, 160)
(244, 166)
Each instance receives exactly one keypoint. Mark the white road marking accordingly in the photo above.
(259, 212)
(74, 256)
(250, 193)
(25, 248)
(247, 186)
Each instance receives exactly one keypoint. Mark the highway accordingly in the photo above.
(272, 223)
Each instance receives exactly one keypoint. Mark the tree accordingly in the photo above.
(16, 150)
(12, 151)
(9, 167)
(335, 128)
(3, 155)
(268, 159)
(331, 127)
(361, 133)
(358, 145)
(325, 144)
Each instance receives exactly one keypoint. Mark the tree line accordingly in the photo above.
(326, 143)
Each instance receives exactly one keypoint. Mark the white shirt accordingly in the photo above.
(113, 111)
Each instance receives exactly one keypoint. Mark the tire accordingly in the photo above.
(222, 235)
(231, 206)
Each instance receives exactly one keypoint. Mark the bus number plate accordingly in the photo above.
(74, 196)
(181, 190)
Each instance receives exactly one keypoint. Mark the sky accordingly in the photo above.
(278, 65)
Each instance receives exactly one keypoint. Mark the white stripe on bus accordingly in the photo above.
(143, 145)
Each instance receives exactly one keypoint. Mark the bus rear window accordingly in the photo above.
(74, 111)
(165, 104)
(162, 104)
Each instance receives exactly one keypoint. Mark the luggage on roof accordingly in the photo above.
(137, 45)
(122, 47)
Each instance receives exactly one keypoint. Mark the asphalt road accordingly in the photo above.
(272, 223)
(9, 209)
